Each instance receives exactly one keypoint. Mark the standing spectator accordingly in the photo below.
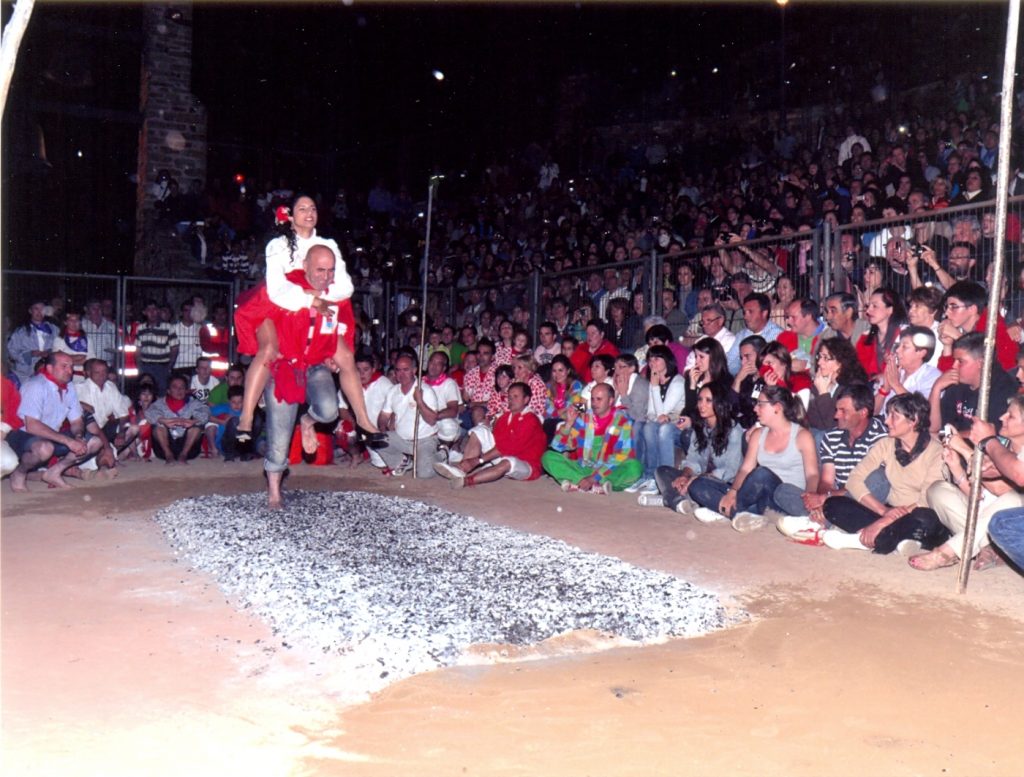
(187, 330)
(214, 339)
(157, 346)
(74, 343)
(31, 342)
(100, 331)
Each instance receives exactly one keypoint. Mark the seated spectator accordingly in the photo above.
(178, 421)
(785, 294)
(504, 376)
(908, 370)
(617, 330)
(840, 450)
(746, 378)
(715, 455)
(912, 461)
(803, 332)
(887, 317)
(631, 388)
(658, 432)
(712, 320)
(30, 342)
(965, 306)
(548, 347)
(73, 341)
(955, 395)
(709, 367)
(659, 334)
(776, 369)
(756, 311)
(779, 451)
(601, 367)
(949, 497)
(108, 408)
(399, 419)
(923, 308)
(511, 448)
(675, 318)
(47, 401)
(836, 366)
(448, 394)
(695, 329)
(203, 382)
(10, 400)
(235, 376)
(144, 398)
(593, 451)
(595, 343)
(221, 430)
(526, 371)
(842, 319)
(565, 391)
(478, 385)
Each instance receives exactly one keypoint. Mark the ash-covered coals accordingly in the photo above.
(408, 587)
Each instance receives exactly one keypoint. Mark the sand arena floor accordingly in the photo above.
(118, 659)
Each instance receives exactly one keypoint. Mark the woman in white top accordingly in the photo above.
(666, 399)
(601, 368)
(256, 332)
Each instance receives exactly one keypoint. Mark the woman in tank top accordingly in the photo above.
(781, 450)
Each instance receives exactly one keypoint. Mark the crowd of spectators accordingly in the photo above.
(845, 412)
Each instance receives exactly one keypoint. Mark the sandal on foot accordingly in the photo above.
(986, 559)
(933, 559)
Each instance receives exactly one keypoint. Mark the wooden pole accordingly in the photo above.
(431, 188)
(1002, 197)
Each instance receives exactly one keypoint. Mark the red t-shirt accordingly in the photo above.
(582, 355)
(304, 336)
(10, 399)
(521, 435)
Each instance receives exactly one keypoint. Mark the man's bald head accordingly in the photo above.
(319, 267)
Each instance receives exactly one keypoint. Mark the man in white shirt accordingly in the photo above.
(448, 394)
(108, 408)
(187, 330)
(398, 418)
(712, 321)
(203, 381)
(100, 332)
(549, 346)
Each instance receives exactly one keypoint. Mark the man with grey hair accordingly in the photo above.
(712, 322)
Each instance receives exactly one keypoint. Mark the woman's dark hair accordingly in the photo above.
(659, 331)
(724, 421)
(605, 360)
(755, 341)
(897, 319)
(287, 229)
(914, 408)
(564, 361)
(780, 352)
(718, 367)
(665, 353)
(845, 353)
(792, 408)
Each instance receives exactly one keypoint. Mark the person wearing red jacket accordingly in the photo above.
(512, 448)
(594, 344)
(966, 312)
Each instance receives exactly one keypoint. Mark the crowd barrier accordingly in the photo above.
(817, 262)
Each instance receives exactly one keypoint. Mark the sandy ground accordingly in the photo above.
(118, 659)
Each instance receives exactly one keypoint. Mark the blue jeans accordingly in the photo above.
(1007, 531)
(755, 495)
(659, 446)
(323, 408)
(788, 496)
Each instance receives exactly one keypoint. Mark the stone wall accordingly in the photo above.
(173, 134)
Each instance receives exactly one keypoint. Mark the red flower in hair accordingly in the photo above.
(281, 215)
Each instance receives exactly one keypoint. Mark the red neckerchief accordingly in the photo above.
(175, 405)
(601, 424)
(373, 378)
(560, 391)
(61, 387)
(435, 381)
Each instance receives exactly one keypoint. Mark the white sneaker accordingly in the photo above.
(640, 485)
(908, 548)
(687, 507)
(602, 489)
(746, 522)
(454, 456)
(801, 529)
(707, 515)
(568, 487)
(446, 470)
(840, 540)
(650, 500)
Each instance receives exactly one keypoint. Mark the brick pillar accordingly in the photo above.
(173, 134)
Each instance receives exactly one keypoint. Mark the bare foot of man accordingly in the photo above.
(54, 480)
(18, 482)
(309, 440)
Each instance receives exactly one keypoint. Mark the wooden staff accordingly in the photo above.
(1002, 196)
(431, 188)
